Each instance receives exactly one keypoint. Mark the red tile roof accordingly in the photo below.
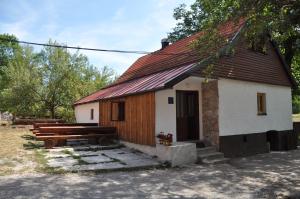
(164, 59)
(153, 71)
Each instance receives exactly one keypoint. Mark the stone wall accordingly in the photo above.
(210, 112)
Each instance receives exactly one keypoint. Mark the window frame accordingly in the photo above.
(261, 104)
(120, 109)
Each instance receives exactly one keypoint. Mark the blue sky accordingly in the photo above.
(110, 24)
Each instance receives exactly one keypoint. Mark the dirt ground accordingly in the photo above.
(273, 175)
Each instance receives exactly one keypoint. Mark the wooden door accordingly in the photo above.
(187, 115)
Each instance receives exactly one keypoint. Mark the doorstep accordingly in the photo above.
(179, 153)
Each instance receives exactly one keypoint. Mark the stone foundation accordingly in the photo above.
(244, 144)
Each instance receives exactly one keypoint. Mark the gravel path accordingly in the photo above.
(274, 175)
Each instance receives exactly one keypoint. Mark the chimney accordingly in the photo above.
(164, 43)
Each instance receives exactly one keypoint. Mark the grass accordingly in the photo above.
(13, 157)
(21, 153)
(76, 157)
(42, 163)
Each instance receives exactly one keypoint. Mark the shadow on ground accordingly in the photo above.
(28, 137)
(275, 175)
(32, 142)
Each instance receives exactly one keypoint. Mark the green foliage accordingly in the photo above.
(45, 84)
(22, 79)
(7, 52)
(277, 18)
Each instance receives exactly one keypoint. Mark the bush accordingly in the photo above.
(66, 114)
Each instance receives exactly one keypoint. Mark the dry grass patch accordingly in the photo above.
(14, 158)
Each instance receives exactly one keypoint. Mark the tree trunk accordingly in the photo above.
(52, 111)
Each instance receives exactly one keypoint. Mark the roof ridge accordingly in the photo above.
(178, 47)
(168, 63)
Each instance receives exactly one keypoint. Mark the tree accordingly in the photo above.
(48, 82)
(7, 51)
(280, 18)
(22, 81)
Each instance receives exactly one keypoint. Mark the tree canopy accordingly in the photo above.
(280, 18)
(46, 83)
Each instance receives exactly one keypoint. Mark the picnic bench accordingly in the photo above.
(36, 126)
(31, 121)
(57, 135)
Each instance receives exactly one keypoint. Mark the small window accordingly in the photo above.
(118, 111)
(92, 114)
(261, 104)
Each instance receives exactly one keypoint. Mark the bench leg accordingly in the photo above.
(50, 143)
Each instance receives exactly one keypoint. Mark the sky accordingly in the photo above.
(106, 24)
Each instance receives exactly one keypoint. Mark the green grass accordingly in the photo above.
(76, 157)
(15, 159)
(42, 163)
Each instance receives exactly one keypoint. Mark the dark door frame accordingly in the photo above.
(187, 121)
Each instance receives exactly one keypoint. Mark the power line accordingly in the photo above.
(93, 49)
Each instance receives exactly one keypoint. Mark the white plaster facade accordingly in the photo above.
(83, 113)
(238, 107)
(165, 114)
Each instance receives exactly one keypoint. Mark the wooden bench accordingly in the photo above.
(59, 130)
(36, 126)
(53, 140)
(31, 121)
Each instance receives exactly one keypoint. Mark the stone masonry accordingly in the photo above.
(210, 112)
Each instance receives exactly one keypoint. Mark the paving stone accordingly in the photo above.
(62, 162)
(62, 149)
(57, 155)
(93, 167)
(124, 156)
(96, 159)
(88, 153)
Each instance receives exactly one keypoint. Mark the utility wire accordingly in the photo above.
(93, 49)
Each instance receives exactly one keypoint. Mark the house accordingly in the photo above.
(244, 104)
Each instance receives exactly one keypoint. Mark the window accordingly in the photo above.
(261, 104)
(92, 114)
(118, 111)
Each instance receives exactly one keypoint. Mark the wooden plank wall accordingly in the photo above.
(139, 124)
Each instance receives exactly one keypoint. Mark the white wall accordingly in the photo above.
(83, 113)
(165, 114)
(238, 107)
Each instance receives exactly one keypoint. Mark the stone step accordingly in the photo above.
(206, 150)
(215, 161)
(210, 155)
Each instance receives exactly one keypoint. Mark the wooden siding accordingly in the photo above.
(248, 65)
(139, 124)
